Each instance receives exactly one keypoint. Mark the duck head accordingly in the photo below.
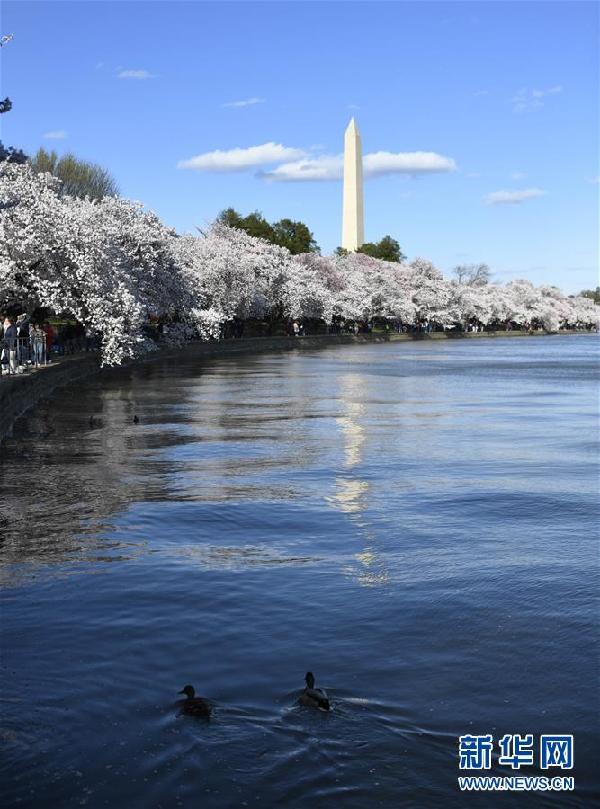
(309, 679)
(188, 690)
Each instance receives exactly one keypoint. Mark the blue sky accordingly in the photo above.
(502, 97)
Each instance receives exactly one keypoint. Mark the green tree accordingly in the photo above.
(286, 233)
(594, 294)
(229, 217)
(254, 224)
(295, 236)
(387, 249)
(44, 161)
(80, 178)
(12, 154)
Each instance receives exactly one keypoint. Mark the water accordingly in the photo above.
(416, 523)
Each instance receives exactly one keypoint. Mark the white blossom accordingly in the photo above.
(114, 266)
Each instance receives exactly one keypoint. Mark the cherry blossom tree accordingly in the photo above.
(114, 266)
(108, 263)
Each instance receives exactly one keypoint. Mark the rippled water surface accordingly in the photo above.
(415, 522)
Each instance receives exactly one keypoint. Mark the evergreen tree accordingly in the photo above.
(387, 249)
(295, 236)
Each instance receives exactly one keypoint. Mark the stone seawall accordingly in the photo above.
(21, 392)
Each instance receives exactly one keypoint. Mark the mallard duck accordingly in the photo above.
(193, 705)
(313, 697)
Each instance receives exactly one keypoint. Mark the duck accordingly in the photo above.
(193, 705)
(136, 420)
(313, 697)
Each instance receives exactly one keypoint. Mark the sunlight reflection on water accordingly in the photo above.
(415, 523)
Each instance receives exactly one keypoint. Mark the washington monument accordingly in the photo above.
(353, 228)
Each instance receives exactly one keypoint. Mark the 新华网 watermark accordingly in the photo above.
(516, 751)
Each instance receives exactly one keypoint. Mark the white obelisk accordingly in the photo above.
(353, 227)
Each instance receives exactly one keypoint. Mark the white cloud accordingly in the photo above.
(55, 134)
(594, 180)
(324, 167)
(298, 165)
(140, 75)
(377, 164)
(550, 91)
(518, 175)
(240, 159)
(353, 107)
(479, 93)
(527, 100)
(248, 102)
(512, 197)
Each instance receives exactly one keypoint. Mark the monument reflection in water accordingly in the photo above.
(416, 523)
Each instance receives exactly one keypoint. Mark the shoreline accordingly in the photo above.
(20, 393)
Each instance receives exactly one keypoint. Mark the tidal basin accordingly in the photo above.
(415, 523)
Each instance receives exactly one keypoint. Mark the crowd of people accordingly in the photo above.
(26, 342)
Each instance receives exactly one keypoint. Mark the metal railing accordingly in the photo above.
(22, 354)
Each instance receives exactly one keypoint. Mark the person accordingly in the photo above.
(23, 348)
(89, 338)
(79, 336)
(10, 344)
(3, 353)
(296, 328)
(49, 332)
(38, 339)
